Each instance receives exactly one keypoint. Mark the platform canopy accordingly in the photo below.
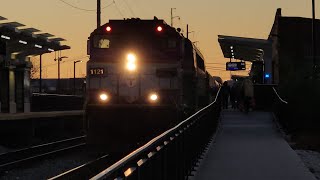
(27, 41)
(247, 49)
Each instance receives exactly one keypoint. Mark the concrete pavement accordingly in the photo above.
(248, 147)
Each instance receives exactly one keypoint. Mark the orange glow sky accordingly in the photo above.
(207, 18)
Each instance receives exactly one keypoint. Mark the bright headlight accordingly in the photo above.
(103, 97)
(153, 97)
(131, 62)
(131, 57)
(131, 66)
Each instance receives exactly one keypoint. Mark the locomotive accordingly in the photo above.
(143, 76)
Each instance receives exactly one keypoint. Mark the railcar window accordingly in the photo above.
(101, 42)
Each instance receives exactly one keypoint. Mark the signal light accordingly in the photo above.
(159, 29)
(267, 75)
(108, 28)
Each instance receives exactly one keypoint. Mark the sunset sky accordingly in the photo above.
(207, 18)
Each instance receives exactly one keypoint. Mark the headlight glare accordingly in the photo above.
(131, 57)
(131, 66)
(153, 97)
(103, 97)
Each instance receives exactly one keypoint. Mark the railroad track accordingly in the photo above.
(15, 158)
(87, 170)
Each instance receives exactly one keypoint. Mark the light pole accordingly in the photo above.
(59, 59)
(74, 76)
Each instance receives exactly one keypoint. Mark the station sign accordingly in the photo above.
(235, 66)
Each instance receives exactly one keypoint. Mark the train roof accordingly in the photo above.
(136, 21)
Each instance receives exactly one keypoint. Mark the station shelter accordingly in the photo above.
(17, 46)
(258, 52)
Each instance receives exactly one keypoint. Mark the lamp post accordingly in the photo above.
(59, 59)
(74, 76)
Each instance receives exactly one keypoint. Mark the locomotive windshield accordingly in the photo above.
(101, 41)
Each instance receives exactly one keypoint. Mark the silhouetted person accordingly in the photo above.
(248, 93)
(225, 92)
(233, 94)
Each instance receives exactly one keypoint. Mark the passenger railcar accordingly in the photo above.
(143, 77)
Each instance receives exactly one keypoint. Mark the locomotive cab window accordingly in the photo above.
(101, 42)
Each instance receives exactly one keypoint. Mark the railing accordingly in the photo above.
(275, 91)
(282, 112)
(171, 155)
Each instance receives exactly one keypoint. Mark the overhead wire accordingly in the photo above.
(114, 2)
(127, 4)
(82, 9)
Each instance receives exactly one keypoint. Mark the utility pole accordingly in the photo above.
(59, 59)
(98, 13)
(187, 31)
(314, 47)
(172, 17)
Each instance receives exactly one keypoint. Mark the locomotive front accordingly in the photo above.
(133, 87)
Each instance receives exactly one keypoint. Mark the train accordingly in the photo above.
(143, 77)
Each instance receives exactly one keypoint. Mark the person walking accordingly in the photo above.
(225, 92)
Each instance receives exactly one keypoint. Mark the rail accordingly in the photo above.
(172, 154)
(61, 95)
(56, 102)
(275, 91)
(18, 157)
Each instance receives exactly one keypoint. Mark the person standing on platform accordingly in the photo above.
(248, 92)
(225, 92)
(233, 96)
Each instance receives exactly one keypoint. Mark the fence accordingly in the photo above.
(171, 155)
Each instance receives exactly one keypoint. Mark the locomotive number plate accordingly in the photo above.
(96, 71)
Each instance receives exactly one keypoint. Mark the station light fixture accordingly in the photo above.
(23, 42)
(51, 50)
(5, 37)
(37, 46)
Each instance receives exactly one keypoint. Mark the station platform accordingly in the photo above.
(32, 115)
(249, 147)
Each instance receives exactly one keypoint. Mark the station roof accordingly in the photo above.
(41, 42)
(247, 49)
